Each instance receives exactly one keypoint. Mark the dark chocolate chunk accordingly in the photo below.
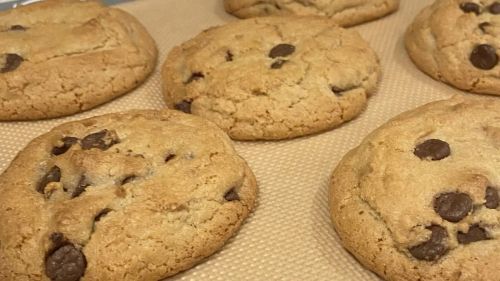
(281, 50)
(169, 157)
(128, 179)
(184, 106)
(470, 7)
(229, 56)
(484, 25)
(432, 149)
(67, 143)
(475, 234)
(495, 8)
(278, 64)
(453, 206)
(194, 77)
(484, 57)
(434, 248)
(492, 198)
(18, 28)
(102, 213)
(101, 140)
(231, 195)
(80, 188)
(67, 263)
(12, 62)
(53, 175)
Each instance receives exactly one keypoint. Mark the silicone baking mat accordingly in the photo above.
(289, 236)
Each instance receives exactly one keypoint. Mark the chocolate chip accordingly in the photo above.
(194, 77)
(432, 149)
(231, 195)
(492, 198)
(169, 157)
(65, 264)
(102, 140)
(229, 56)
(184, 106)
(475, 234)
(339, 91)
(484, 25)
(67, 143)
(495, 8)
(453, 206)
(80, 188)
(102, 214)
(281, 50)
(278, 64)
(128, 179)
(470, 7)
(434, 248)
(12, 62)
(18, 28)
(484, 57)
(54, 175)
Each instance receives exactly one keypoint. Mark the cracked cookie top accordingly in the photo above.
(60, 57)
(419, 199)
(344, 12)
(272, 78)
(139, 195)
(457, 42)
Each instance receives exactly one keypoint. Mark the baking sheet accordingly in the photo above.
(289, 236)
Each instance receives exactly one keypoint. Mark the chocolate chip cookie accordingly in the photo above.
(419, 199)
(272, 77)
(139, 195)
(457, 42)
(60, 57)
(344, 12)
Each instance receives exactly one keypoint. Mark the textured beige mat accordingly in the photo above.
(289, 237)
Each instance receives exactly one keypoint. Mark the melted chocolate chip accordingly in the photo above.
(102, 214)
(184, 106)
(492, 198)
(169, 157)
(475, 234)
(101, 140)
(470, 7)
(128, 179)
(338, 91)
(231, 195)
(434, 248)
(81, 187)
(484, 25)
(495, 8)
(453, 206)
(229, 56)
(484, 57)
(278, 64)
(54, 175)
(12, 62)
(67, 263)
(281, 50)
(67, 143)
(194, 77)
(18, 28)
(432, 149)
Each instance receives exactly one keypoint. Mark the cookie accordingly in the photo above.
(456, 41)
(344, 12)
(139, 195)
(419, 198)
(272, 77)
(60, 57)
